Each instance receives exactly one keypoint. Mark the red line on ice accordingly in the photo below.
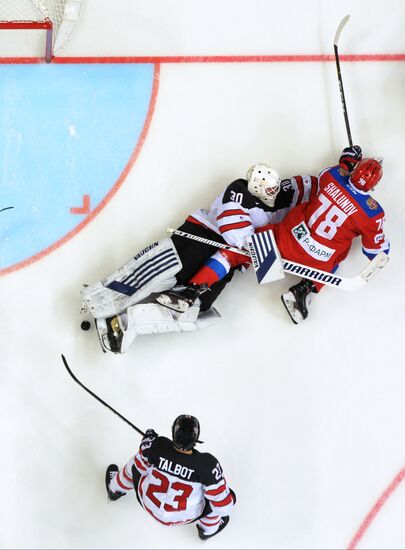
(289, 58)
(109, 195)
(231, 58)
(376, 508)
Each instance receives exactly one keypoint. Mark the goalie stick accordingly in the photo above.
(98, 398)
(339, 74)
(324, 277)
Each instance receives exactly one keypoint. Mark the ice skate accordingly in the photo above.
(297, 300)
(109, 474)
(114, 334)
(180, 298)
(109, 334)
(223, 523)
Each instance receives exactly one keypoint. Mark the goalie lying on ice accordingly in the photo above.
(133, 300)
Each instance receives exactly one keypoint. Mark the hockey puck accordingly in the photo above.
(85, 325)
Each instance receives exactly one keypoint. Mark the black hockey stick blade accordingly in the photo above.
(98, 398)
(6, 208)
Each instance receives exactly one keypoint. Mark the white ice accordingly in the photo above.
(307, 421)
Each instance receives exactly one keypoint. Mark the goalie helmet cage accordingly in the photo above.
(27, 18)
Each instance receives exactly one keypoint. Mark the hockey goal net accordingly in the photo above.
(36, 28)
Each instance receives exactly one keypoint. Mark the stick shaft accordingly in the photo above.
(207, 241)
(340, 80)
(98, 398)
(342, 98)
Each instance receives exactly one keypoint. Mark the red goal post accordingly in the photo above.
(56, 17)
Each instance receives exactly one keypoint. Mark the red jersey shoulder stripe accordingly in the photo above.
(193, 220)
(232, 226)
(217, 491)
(139, 465)
(233, 212)
(126, 476)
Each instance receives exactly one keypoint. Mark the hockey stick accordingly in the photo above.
(98, 398)
(342, 92)
(101, 401)
(324, 277)
(6, 208)
(207, 241)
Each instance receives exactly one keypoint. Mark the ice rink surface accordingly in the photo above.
(307, 421)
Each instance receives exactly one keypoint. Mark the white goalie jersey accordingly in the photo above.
(236, 213)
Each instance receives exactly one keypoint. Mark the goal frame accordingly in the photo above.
(46, 24)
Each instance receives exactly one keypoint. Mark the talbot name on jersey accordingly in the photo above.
(175, 469)
(340, 199)
(145, 250)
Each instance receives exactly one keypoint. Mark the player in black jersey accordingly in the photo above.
(175, 483)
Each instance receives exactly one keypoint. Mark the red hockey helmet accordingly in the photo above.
(367, 174)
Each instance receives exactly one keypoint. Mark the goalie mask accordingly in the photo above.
(185, 432)
(367, 174)
(264, 183)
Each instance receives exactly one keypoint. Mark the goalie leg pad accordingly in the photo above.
(151, 270)
(156, 319)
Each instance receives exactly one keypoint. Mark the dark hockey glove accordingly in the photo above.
(350, 158)
(150, 434)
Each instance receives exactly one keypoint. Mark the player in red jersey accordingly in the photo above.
(174, 482)
(320, 233)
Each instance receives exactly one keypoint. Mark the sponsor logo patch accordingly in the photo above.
(311, 246)
(300, 231)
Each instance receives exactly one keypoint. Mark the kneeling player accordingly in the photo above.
(174, 482)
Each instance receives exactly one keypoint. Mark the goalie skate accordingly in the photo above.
(109, 334)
